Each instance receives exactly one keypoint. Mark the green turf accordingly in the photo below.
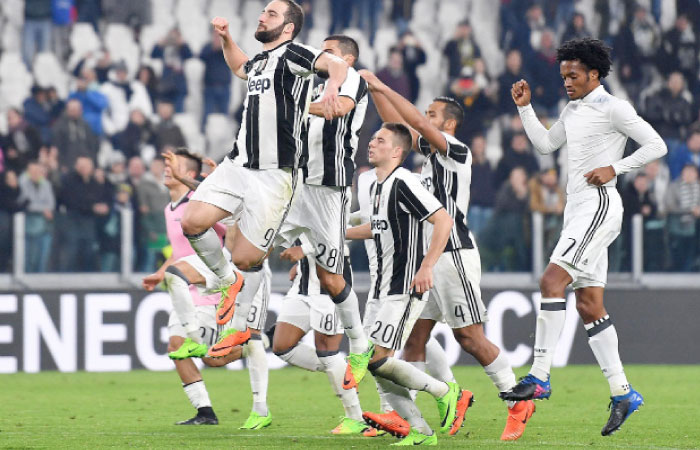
(137, 409)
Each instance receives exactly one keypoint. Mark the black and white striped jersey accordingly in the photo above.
(273, 131)
(448, 178)
(333, 143)
(306, 281)
(399, 206)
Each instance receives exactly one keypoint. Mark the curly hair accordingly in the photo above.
(593, 53)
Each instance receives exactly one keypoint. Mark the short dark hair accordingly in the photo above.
(194, 162)
(294, 15)
(453, 110)
(402, 136)
(593, 53)
(347, 45)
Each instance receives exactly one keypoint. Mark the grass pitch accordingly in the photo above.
(137, 409)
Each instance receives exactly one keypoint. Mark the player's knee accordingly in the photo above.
(332, 283)
(551, 287)
(190, 226)
(280, 348)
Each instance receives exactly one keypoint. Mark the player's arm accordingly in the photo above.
(150, 282)
(442, 225)
(345, 105)
(545, 141)
(385, 107)
(337, 71)
(410, 115)
(234, 56)
(360, 232)
(626, 120)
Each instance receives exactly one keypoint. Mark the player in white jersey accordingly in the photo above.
(322, 209)
(258, 191)
(595, 127)
(192, 324)
(456, 298)
(435, 358)
(404, 276)
(307, 306)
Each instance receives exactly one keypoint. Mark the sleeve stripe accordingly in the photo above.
(301, 56)
(417, 207)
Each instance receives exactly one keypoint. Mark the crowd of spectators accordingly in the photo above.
(74, 162)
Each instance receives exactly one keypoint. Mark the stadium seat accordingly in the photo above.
(194, 73)
(162, 12)
(189, 126)
(11, 37)
(83, 40)
(119, 40)
(48, 72)
(223, 8)
(219, 132)
(196, 31)
(150, 35)
(13, 11)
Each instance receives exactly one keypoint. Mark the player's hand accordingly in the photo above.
(220, 25)
(211, 163)
(151, 281)
(423, 281)
(172, 161)
(600, 176)
(292, 254)
(372, 81)
(293, 273)
(521, 93)
(330, 102)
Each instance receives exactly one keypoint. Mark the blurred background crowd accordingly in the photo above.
(93, 91)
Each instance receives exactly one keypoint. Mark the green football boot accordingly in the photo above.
(357, 367)
(189, 349)
(257, 422)
(416, 438)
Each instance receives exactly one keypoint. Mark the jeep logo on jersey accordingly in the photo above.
(258, 85)
(380, 225)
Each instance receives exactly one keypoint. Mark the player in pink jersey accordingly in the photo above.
(193, 322)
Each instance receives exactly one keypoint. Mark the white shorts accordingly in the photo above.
(313, 312)
(395, 319)
(371, 309)
(592, 221)
(320, 212)
(257, 199)
(456, 296)
(206, 318)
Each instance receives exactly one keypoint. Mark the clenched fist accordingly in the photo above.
(521, 93)
(220, 25)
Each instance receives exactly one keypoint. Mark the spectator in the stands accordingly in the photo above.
(37, 112)
(368, 17)
(81, 196)
(173, 50)
(73, 137)
(670, 110)
(401, 14)
(679, 52)
(124, 95)
(482, 189)
(22, 142)
(626, 56)
(688, 153)
(646, 33)
(167, 132)
(576, 28)
(148, 78)
(341, 15)
(518, 154)
(548, 198)
(152, 197)
(683, 209)
(461, 51)
(89, 11)
(474, 92)
(9, 195)
(637, 198)
(37, 196)
(394, 74)
(413, 56)
(217, 79)
(547, 87)
(36, 34)
(138, 138)
(99, 61)
(514, 72)
(134, 13)
(92, 100)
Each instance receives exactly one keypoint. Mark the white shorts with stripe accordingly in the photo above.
(592, 221)
(395, 319)
(320, 212)
(258, 199)
(206, 319)
(311, 312)
(456, 295)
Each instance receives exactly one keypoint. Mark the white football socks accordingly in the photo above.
(207, 245)
(334, 366)
(197, 393)
(401, 402)
(302, 356)
(550, 323)
(404, 374)
(179, 292)
(436, 361)
(349, 312)
(602, 337)
(244, 299)
(258, 372)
